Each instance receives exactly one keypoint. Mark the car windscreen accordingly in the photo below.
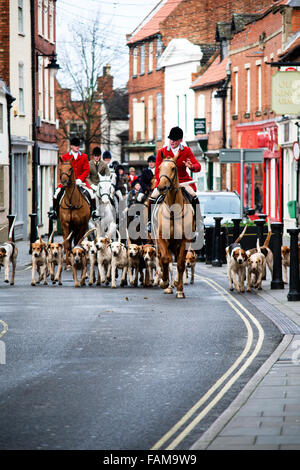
(212, 204)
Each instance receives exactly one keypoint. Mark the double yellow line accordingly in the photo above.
(187, 422)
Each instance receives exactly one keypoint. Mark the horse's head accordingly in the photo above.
(104, 191)
(66, 173)
(167, 175)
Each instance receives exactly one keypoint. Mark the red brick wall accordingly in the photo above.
(295, 20)
(4, 40)
(269, 25)
(195, 21)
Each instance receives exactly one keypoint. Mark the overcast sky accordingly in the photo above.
(117, 18)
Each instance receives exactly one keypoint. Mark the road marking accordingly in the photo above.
(231, 300)
(5, 328)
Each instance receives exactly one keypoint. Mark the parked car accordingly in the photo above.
(225, 204)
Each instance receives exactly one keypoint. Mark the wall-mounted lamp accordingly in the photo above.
(52, 66)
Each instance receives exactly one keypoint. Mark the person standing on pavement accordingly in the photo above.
(97, 167)
(81, 168)
(147, 175)
(185, 160)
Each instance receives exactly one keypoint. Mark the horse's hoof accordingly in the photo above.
(169, 290)
(180, 295)
(6, 280)
(33, 284)
(163, 284)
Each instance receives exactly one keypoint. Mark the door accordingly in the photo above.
(19, 194)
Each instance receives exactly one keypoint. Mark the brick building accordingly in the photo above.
(170, 19)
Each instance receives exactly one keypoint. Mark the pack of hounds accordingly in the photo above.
(100, 260)
(250, 265)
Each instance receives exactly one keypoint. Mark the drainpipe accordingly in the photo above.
(222, 93)
(9, 99)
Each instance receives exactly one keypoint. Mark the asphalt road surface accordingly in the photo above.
(124, 369)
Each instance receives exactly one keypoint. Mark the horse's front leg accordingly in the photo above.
(180, 271)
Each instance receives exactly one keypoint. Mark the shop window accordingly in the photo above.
(1, 186)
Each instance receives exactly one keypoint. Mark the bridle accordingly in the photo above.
(68, 174)
(69, 204)
(171, 181)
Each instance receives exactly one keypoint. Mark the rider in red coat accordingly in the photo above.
(81, 170)
(186, 160)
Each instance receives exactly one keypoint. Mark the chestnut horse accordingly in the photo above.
(175, 225)
(74, 211)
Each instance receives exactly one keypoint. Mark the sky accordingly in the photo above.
(116, 18)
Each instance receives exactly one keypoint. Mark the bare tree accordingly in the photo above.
(79, 102)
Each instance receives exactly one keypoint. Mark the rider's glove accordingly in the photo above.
(94, 187)
(78, 181)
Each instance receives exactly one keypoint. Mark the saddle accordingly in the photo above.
(85, 194)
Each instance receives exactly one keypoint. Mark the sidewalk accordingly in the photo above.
(266, 414)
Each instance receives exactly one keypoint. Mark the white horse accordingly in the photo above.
(105, 209)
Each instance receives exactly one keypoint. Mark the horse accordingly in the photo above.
(175, 226)
(104, 202)
(74, 211)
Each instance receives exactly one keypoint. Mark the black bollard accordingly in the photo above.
(50, 227)
(294, 292)
(277, 282)
(236, 229)
(33, 230)
(10, 221)
(208, 244)
(262, 216)
(260, 230)
(216, 258)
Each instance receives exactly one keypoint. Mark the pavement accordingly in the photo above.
(266, 413)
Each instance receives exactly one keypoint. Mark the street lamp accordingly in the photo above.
(53, 67)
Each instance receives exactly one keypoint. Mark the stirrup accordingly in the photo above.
(52, 214)
(149, 226)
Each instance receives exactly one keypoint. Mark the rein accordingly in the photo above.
(171, 181)
(69, 204)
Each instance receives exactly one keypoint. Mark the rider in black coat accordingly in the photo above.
(146, 176)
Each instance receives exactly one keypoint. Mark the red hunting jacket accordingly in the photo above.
(184, 154)
(80, 166)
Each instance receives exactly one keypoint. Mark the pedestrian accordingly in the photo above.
(81, 168)
(185, 160)
(122, 181)
(132, 176)
(97, 167)
(147, 175)
(136, 194)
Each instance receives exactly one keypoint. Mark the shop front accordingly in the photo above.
(262, 181)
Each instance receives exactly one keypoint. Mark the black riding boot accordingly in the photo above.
(197, 213)
(94, 209)
(53, 214)
(151, 201)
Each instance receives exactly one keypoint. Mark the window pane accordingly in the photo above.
(158, 117)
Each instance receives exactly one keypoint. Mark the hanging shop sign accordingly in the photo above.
(286, 92)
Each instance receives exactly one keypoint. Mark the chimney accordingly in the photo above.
(106, 70)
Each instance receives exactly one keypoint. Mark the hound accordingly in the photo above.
(39, 261)
(256, 267)
(78, 258)
(285, 260)
(190, 263)
(8, 255)
(236, 263)
(152, 264)
(119, 260)
(265, 251)
(103, 248)
(55, 258)
(135, 262)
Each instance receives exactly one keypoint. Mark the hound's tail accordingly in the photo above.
(266, 244)
(86, 235)
(241, 235)
(10, 235)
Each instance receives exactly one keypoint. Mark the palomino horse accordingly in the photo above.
(74, 211)
(175, 225)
